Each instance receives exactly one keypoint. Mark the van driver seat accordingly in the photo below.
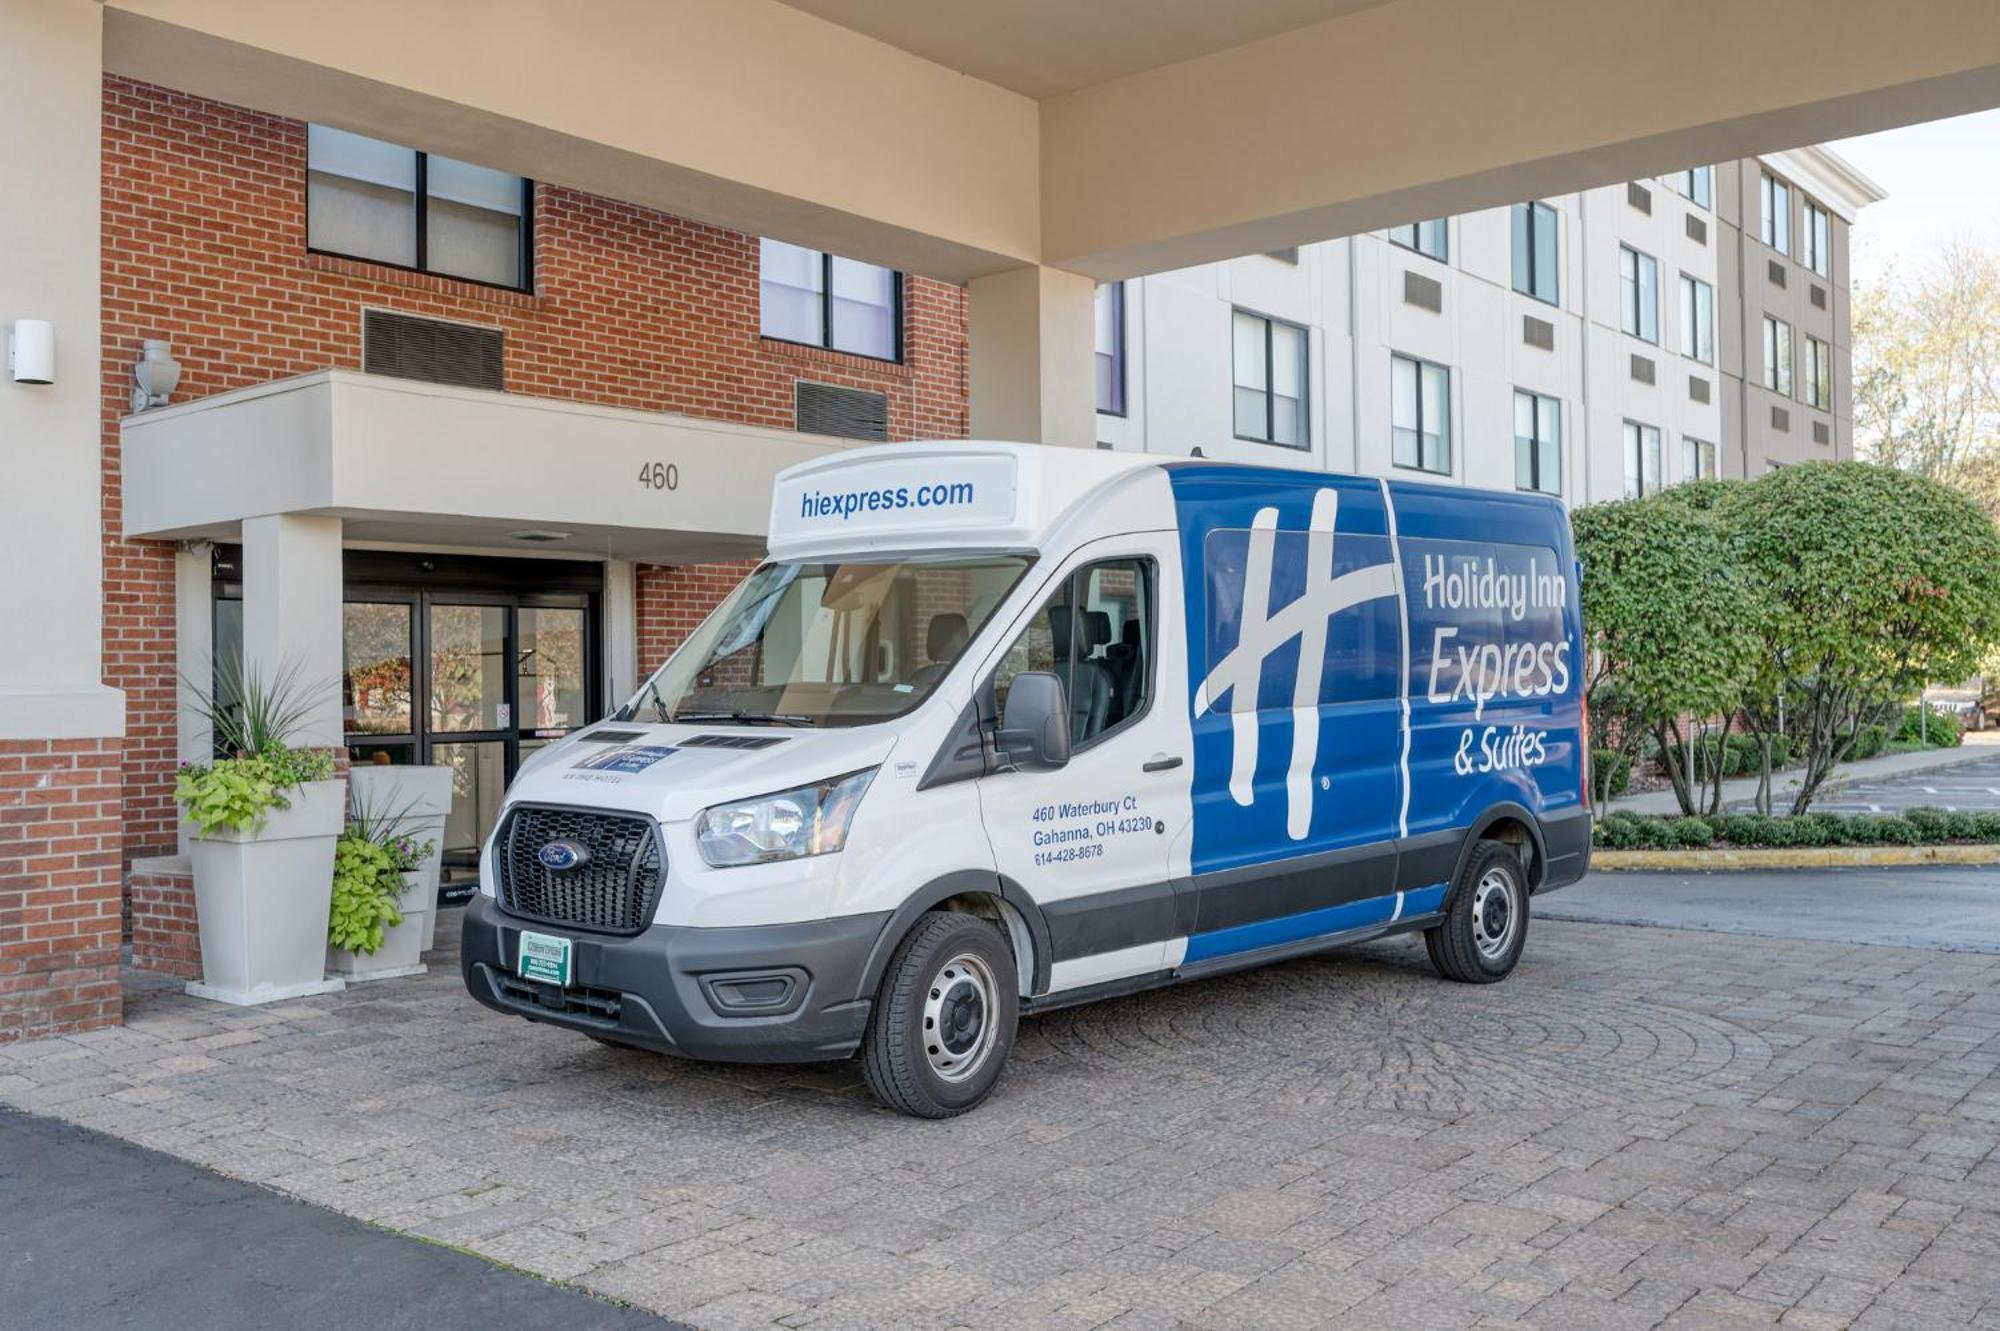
(944, 639)
(1088, 682)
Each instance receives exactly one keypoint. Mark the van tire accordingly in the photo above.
(1485, 920)
(953, 969)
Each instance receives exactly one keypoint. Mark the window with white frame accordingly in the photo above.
(1638, 294)
(1535, 251)
(1419, 415)
(1697, 460)
(1642, 459)
(1111, 348)
(1819, 374)
(1815, 234)
(1777, 214)
(1696, 185)
(366, 199)
(822, 300)
(1697, 320)
(1427, 238)
(1270, 381)
(1537, 442)
(1777, 355)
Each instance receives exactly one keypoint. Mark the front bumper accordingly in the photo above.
(777, 993)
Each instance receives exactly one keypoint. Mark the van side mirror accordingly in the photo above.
(1034, 728)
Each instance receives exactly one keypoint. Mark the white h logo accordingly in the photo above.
(1263, 633)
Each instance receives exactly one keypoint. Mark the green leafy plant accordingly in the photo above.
(1880, 582)
(1915, 827)
(255, 722)
(232, 794)
(1932, 727)
(369, 861)
(366, 888)
(1674, 628)
(1611, 772)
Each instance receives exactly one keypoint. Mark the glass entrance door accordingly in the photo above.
(470, 680)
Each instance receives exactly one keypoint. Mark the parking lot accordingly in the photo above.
(1971, 786)
(1642, 1127)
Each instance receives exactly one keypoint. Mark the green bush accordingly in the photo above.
(1616, 765)
(1933, 823)
(1940, 732)
(1916, 827)
(1868, 742)
(366, 886)
(1690, 832)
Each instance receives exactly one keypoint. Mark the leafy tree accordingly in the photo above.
(1672, 625)
(1927, 369)
(1881, 582)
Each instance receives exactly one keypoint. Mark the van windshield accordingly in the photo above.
(843, 643)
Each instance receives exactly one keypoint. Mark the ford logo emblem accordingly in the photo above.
(562, 855)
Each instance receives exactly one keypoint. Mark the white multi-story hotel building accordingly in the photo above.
(1591, 345)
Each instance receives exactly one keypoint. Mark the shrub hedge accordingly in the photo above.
(1918, 826)
(1941, 732)
(1617, 764)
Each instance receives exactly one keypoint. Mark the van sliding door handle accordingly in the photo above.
(1161, 762)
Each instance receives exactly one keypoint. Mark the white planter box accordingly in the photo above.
(402, 945)
(261, 901)
(426, 792)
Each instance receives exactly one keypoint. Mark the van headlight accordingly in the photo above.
(811, 820)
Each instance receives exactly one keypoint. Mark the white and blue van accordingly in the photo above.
(999, 728)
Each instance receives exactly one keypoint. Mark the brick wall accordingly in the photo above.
(59, 887)
(672, 601)
(165, 935)
(204, 245)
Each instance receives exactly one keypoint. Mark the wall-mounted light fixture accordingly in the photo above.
(155, 377)
(31, 351)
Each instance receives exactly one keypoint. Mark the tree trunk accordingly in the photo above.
(1714, 801)
(1679, 773)
(1764, 774)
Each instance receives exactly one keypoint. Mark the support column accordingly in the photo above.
(61, 729)
(291, 614)
(1032, 341)
(621, 632)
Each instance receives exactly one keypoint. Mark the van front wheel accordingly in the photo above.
(944, 1017)
(1486, 923)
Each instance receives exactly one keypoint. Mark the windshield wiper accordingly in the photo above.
(745, 718)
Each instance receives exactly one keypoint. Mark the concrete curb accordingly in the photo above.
(1792, 857)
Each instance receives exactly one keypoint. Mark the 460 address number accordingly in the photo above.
(660, 476)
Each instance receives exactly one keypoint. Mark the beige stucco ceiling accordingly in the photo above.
(1043, 47)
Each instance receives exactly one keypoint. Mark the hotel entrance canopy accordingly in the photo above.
(418, 463)
(1033, 148)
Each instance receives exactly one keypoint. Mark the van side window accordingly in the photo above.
(1095, 633)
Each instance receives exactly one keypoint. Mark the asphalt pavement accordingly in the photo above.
(1971, 786)
(98, 1233)
(1951, 908)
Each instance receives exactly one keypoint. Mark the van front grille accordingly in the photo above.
(614, 884)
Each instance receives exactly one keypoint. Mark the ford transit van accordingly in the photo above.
(999, 728)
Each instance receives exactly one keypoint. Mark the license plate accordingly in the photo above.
(543, 958)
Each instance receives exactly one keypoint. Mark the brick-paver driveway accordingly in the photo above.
(1642, 1127)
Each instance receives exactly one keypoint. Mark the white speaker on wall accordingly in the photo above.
(31, 351)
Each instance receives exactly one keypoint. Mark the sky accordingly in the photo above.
(1943, 178)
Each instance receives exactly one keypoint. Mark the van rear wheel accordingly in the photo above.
(1486, 918)
(944, 1017)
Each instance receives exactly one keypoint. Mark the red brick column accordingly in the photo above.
(165, 936)
(60, 837)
